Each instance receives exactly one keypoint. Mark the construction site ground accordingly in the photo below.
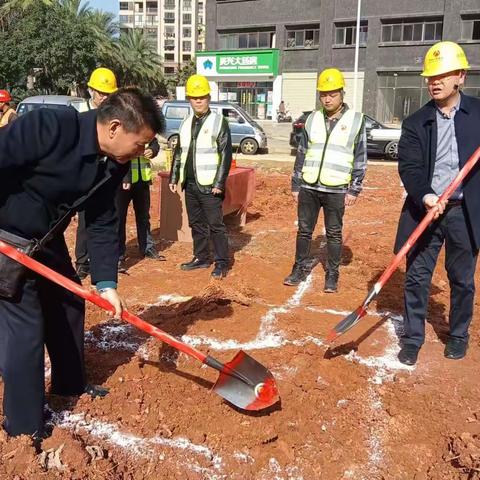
(348, 412)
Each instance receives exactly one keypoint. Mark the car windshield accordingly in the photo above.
(248, 117)
(372, 123)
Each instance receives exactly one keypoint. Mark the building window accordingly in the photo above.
(245, 40)
(126, 5)
(412, 32)
(471, 28)
(304, 38)
(187, 32)
(169, 17)
(186, 57)
(169, 57)
(186, 45)
(187, 18)
(151, 19)
(152, 8)
(138, 19)
(126, 18)
(347, 34)
(169, 4)
(169, 45)
(400, 94)
(169, 71)
(187, 4)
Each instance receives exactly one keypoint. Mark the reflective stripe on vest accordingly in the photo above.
(6, 117)
(329, 158)
(206, 156)
(143, 164)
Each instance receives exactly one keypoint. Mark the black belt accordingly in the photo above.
(454, 203)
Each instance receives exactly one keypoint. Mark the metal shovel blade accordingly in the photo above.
(247, 384)
(346, 324)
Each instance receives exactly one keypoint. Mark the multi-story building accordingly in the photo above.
(262, 51)
(175, 27)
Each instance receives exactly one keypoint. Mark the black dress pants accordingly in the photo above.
(81, 247)
(205, 218)
(309, 204)
(460, 263)
(139, 194)
(41, 314)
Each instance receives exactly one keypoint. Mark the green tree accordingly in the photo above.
(137, 62)
(57, 43)
(181, 76)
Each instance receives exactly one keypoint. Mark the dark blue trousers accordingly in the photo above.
(139, 194)
(42, 314)
(81, 247)
(460, 262)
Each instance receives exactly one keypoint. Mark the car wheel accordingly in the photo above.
(249, 146)
(391, 150)
(172, 141)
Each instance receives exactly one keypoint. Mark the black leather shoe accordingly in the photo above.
(195, 263)
(96, 391)
(331, 282)
(297, 276)
(153, 254)
(219, 272)
(455, 349)
(83, 271)
(408, 354)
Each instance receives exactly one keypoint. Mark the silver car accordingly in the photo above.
(52, 101)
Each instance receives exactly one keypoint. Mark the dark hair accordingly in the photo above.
(133, 108)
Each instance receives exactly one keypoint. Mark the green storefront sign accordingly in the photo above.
(246, 62)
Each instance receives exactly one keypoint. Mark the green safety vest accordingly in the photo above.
(206, 156)
(144, 166)
(329, 157)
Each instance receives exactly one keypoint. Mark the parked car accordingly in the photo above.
(381, 140)
(247, 134)
(51, 101)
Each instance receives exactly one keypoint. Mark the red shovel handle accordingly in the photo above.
(428, 218)
(65, 282)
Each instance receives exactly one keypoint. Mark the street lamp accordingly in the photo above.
(357, 49)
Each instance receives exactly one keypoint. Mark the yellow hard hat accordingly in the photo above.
(330, 79)
(103, 80)
(197, 86)
(444, 57)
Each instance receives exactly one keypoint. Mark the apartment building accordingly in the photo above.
(176, 28)
(262, 51)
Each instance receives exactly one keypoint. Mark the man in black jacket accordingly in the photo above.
(49, 161)
(436, 142)
(201, 163)
(136, 189)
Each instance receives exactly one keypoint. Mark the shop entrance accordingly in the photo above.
(254, 97)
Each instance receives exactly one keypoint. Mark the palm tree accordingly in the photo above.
(104, 29)
(137, 61)
(9, 6)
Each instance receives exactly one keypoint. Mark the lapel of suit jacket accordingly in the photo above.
(462, 128)
(430, 124)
